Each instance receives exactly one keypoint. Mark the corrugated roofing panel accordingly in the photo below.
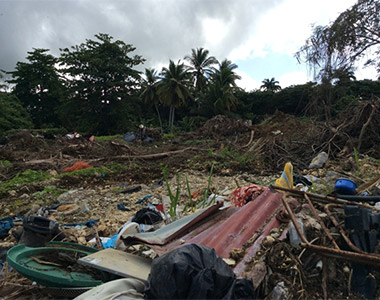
(225, 229)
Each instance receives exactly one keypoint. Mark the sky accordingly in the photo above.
(259, 36)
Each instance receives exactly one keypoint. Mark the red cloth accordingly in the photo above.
(245, 194)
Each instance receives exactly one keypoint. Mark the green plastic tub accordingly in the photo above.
(31, 263)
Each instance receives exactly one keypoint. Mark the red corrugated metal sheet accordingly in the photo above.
(232, 228)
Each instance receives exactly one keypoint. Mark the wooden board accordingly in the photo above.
(119, 262)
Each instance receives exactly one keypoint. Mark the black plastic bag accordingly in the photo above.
(195, 272)
(147, 216)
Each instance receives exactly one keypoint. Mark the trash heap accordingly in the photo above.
(301, 237)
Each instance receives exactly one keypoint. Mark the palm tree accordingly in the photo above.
(149, 93)
(270, 85)
(173, 88)
(201, 66)
(223, 87)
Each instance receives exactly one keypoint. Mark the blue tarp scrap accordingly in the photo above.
(6, 224)
(143, 199)
(88, 223)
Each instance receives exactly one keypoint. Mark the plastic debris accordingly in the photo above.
(78, 166)
(245, 194)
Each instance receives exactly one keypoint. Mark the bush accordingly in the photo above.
(12, 114)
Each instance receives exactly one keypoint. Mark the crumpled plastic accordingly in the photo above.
(286, 179)
(245, 194)
(78, 166)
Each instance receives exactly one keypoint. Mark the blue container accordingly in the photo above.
(345, 187)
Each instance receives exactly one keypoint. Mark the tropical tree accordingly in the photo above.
(343, 42)
(222, 89)
(102, 81)
(150, 93)
(270, 85)
(38, 86)
(201, 67)
(174, 88)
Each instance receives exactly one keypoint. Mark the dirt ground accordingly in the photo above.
(33, 177)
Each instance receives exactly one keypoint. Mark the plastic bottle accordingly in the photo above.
(294, 238)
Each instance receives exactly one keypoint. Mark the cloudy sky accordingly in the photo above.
(260, 36)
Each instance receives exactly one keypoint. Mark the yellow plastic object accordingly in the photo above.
(286, 179)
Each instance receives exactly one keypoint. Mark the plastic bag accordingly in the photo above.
(195, 272)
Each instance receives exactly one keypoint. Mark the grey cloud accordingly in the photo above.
(160, 30)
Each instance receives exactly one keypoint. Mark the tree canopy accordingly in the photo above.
(345, 41)
(101, 79)
(38, 86)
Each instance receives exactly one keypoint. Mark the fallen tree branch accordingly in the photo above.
(366, 125)
(250, 140)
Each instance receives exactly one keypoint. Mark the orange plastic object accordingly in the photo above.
(78, 166)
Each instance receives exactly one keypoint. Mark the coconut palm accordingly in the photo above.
(223, 87)
(174, 87)
(149, 93)
(201, 67)
(270, 85)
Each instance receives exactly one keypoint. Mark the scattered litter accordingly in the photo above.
(132, 190)
(77, 166)
(195, 272)
(319, 161)
(245, 194)
(143, 199)
(122, 207)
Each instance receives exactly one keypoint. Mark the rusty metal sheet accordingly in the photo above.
(233, 227)
(240, 226)
(171, 231)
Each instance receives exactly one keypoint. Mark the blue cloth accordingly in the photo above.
(143, 199)
(88, 223)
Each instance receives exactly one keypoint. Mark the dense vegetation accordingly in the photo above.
(95, 87)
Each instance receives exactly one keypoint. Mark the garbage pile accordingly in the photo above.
(279, 241)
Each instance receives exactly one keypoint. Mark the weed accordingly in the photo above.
(28, 176)
(168, 136)
(95, 171)
(173, 198)
(5, 163)
(50, 191)
(356, 155)
(109, 138)
(205, 196)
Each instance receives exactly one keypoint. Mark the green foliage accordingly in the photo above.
(109, 138)
(201, 68)
(25, 177)
(95, 171)
(221, 91)
(50, 190)
(12, 114)
(5, 163)
(168, 136)
(205, 195)
(173, 197)
(174, 88)
(101, 79)
(39, 87)
(270, 85)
